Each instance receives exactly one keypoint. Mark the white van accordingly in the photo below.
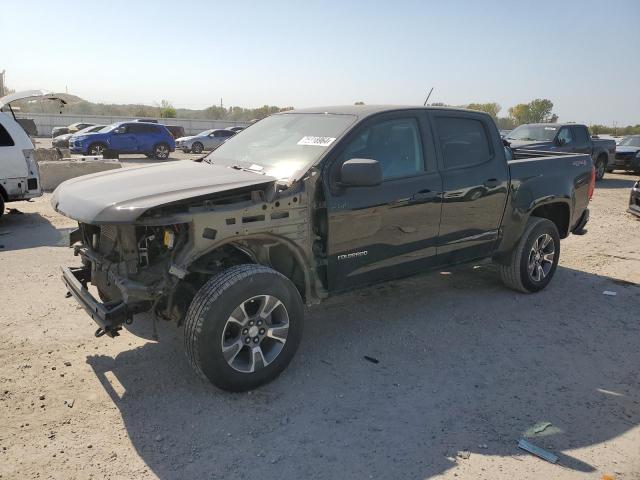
(19, 175)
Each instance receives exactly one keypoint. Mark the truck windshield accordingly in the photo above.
(533, 133)
(630, 142)
(282, 145)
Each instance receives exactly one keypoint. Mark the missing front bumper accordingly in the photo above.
(109, 316)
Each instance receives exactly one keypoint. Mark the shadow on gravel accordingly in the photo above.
(29, 230)
(464, 365)
(627, 181)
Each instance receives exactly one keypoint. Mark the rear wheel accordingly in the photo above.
(243, 327)
(600, 166)
(535, 259)
(161, 151)
(1, 206)
(197, 147)
(96, 149)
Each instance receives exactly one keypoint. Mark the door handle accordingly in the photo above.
(491, 183)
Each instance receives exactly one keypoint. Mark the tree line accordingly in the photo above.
(539, 110)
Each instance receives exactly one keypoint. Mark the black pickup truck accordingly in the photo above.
(564, 137)
(305, 204)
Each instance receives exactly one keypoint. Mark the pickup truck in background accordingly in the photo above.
(306, 204)
(567, 137)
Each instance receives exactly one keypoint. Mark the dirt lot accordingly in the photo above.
(466, 368)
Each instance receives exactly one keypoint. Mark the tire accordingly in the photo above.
(161, 151)
(601, 167)
(216, 325)
(517, 275)
(197, 147)
(96, 149)
(1, 206)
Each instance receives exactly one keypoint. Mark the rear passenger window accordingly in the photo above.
(463, 141)
(581, 136)
(5, 138)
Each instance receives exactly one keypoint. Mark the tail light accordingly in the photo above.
(592, 182)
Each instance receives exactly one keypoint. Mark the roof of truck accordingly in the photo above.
(366, 110)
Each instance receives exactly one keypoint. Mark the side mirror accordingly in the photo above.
(360, 172)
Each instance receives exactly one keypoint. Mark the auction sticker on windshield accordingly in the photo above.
(317, 141)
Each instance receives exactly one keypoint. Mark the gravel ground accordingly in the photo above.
(465, 369)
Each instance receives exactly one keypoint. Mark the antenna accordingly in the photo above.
(425, 102)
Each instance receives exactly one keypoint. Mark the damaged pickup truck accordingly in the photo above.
(304, 204)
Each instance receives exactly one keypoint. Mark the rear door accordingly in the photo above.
(581, 139)
(475, 181)
(390, 230)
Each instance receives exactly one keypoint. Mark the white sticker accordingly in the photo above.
(317, 141)
(550, 128)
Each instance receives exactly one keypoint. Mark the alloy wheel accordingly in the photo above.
(255, 333)
(541, 257)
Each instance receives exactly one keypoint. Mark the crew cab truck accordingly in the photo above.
(305, 204)
(564, 137)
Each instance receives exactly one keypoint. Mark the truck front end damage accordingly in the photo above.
(129, 267)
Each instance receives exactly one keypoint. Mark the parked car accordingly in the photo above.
(568, 137)
(634, 199)
(73, 128)
(62, 141)
(236, 129)
(19, 174)
(207, 140)
(151, 139)
(176, 131)
(627, 154)
(309, 203)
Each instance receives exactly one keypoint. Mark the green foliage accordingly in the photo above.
(167, 110)
(491, 108)
(628, 130)
(536, 111)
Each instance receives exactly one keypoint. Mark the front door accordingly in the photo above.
(475, 180)
(390, 230)
(123, 140)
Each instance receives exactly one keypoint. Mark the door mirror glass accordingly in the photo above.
(361, 172)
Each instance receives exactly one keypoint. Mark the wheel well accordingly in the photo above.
(603, 156)
(558, 213)
(263, 252)
(3, 194)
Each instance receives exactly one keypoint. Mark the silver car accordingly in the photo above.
(207, 140)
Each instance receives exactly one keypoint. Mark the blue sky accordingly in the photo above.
(583, 55)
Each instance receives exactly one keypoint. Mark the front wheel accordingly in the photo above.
(161, 151)
(97, 149)
(535, 258)
(243, 327)
(197, 147)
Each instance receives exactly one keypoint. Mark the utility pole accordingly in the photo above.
(2, 83)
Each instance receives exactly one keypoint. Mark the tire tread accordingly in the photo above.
(510, 273)
(205, 298)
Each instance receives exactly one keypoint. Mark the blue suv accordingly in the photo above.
(152, 139)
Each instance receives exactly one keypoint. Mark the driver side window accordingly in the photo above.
(395, 144)
(565, 137)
